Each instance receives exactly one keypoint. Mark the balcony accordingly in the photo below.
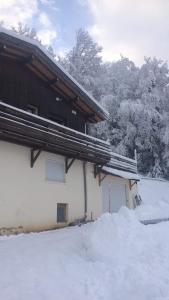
(23, 128)
(122, 163)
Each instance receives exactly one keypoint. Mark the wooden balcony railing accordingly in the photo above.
(30, 130)
(123, 163)
(26, 129)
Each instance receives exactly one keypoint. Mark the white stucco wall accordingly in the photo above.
(28, 200)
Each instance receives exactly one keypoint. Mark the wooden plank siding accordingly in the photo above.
(29, 53)
(20, 87)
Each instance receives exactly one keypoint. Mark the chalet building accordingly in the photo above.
(52, 172)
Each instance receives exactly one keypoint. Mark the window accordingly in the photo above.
(55, 170)
(61, 212)
(32, 109)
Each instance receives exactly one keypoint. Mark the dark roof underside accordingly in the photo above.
(31, 54)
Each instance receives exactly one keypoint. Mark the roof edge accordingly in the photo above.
(90, 99)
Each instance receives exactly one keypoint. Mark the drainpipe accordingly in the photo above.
(85, 189)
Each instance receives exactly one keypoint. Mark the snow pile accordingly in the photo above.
(115, 257)
(135, 257)
(108, 235)
(154, 190)
(155, 197)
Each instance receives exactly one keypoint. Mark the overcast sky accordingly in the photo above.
(133, 28)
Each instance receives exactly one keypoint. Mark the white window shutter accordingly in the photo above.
(55, 170)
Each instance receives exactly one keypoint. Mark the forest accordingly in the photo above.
(136, 97)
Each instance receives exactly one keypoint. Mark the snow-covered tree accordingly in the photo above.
(83, 62)
(32, 34)
(137, 100)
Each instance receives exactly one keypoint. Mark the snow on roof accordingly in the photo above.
(37, 44)
(123, 174)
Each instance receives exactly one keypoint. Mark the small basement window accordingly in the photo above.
(61, 212)
(32, 109)
(55, 170)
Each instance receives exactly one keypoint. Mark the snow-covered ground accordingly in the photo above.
(155, 196)
(115, 257)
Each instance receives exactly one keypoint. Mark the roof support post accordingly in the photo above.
(34, 155)
(68, 163)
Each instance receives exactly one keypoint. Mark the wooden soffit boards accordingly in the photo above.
(30, 55)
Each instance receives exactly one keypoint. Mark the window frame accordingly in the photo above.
(65, 205)
(55, 161)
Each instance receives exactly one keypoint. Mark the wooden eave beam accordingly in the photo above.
(76, 103)
(38, 72)
(69, 100)
(68, 163)
(2, 48)
(101, 178)
(92, 115)
(28, 60)
(10, 55)
(13, 52)
(75, 99)
(15, 48)
(97, 169)
(48, 82)
(34, 155)
(132, 184)
(53, 81)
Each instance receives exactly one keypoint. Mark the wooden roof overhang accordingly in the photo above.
(118, 166)
(29, 53)
(114, 173)
(130, 176)
(36, 132)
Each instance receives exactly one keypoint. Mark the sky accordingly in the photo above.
(132, 28)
